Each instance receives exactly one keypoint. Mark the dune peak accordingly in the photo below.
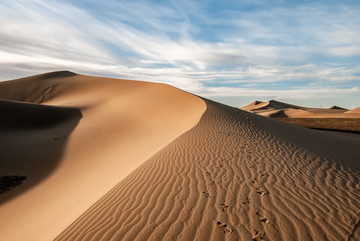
(256, 102)
(57, 74)
(335, 107)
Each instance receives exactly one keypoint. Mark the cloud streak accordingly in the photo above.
(211, 50)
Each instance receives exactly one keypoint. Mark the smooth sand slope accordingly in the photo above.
(67, 139)
(235, 176)
(354, 111)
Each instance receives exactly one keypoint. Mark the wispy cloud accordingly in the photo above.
(208, 49)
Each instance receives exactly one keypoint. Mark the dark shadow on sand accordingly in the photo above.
(32, 140)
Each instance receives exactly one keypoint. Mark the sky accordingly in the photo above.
(301, 52)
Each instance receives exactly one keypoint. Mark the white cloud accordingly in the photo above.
(346, 51)
(303, 93)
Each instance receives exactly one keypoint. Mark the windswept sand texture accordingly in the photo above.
(235, 176)
(130, 160)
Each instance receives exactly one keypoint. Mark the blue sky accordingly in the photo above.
(302, 52)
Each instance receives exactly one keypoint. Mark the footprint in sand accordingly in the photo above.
(261, 191)
(254, 180)
(207, 194)
(223, 207)
(224, 227)
(262, 218)
(258, 235)
(246, 201)
(262, 174)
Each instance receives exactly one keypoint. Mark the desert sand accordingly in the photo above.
(333, 118)
(277, 109)
(109, 159)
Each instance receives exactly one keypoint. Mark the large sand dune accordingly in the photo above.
(234, 176)
(144, 161)
(103, 129)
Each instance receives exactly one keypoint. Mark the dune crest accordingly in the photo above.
(334, 107)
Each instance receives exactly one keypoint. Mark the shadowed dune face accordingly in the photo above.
(20, 115)
(334, 107)
(32, 140)
(234, 176)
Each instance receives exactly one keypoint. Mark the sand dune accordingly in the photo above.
(143, 161)
(70, 164)
(354, 111)
(261, 106)
(275, 108)
(335, 107)
(333, 118)
(234, 176)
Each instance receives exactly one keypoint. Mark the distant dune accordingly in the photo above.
(334, 107)
(354, 111)
(333, 118)
(261, 106)
(111, 159)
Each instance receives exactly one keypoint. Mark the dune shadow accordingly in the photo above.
(32, 141)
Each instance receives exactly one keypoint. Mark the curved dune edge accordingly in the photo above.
(234, 176)
(123, 123)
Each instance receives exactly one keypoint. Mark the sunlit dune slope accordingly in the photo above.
(354, 111)
(235, 176)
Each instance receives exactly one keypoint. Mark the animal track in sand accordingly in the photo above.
(207, 194)
(254, 180)
(224, 227)
(262, 178)
(223, 207)
(246, 201)
(262, 218)
(261, 191)
(258, 235)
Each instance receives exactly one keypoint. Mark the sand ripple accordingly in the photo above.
(231, 177)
